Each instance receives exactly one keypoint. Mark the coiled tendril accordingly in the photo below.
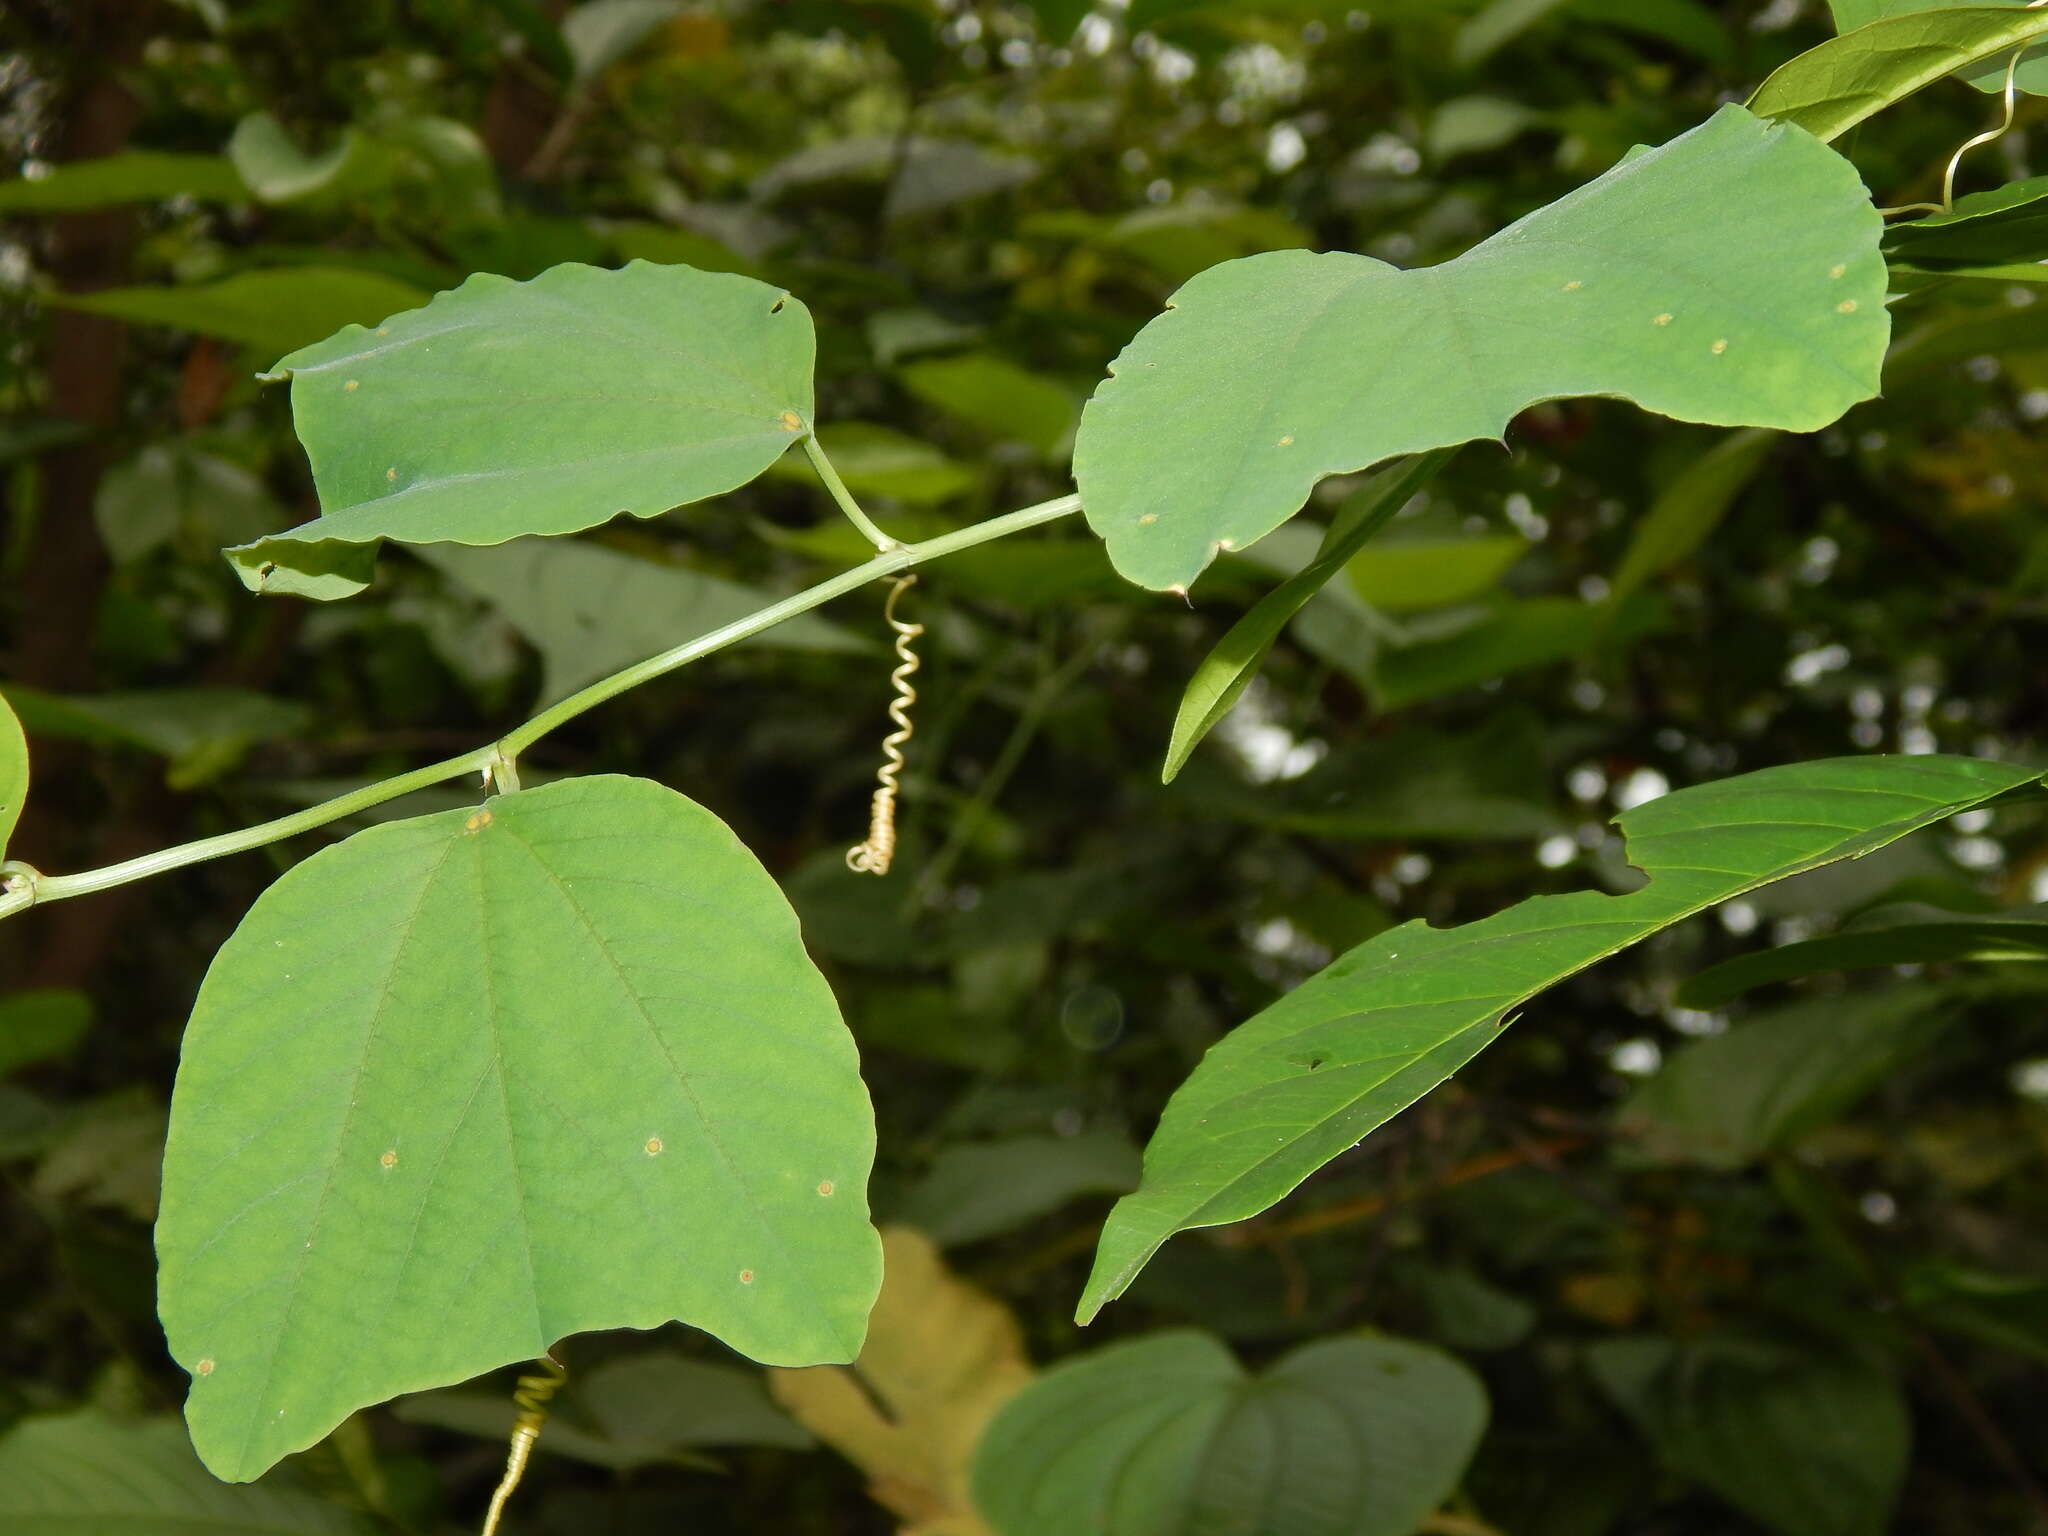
(530, 1397)
(873, 857)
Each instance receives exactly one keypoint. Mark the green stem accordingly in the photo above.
(816, 453)
(26, 887)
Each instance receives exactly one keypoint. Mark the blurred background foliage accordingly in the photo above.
(1773, 1260)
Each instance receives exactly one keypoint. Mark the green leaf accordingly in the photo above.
(1907, 934)
(1168, 1436)
(1269, 373)
(1687, 23)
(276, 308)
(41, 1024)
(1830, 89)
(982, 1189)
(172, 488)
(1808, 1443)
(1224, 674)
(997, 397)
(466, 1084)
(13, 771)
(602, 32)
(590, 610)
(277, 170)
(1418, 574)
(203, 731)
(1353, 1046)
(1470, 125)
(1689, 509)
(2033, 70)
(547, 406)
(90, 1474)
(1496, 24)
(135, 176)
(1511, 635)
(1724, 1101)
(637, 1411)
(2007, 224)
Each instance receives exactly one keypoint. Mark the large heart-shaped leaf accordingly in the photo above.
(1830, 89)
(88, 1474)
(506, 408)
(1168, 1436)
(2033, 71)
(468, 1083)
(1271, 372)
(1370, 1034)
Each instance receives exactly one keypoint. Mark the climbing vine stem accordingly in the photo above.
(22, 886)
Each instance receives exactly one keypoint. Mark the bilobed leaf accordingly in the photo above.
(2006, 224)
(135, 176)
(1688, 510)
(1830, 89)
(1223, 675)
(941, 1357)
(547, 406)
(1169, 1436)
(276, 308)
(89, 1474)
(2033, 70)
(591, 610)
(1725, 1100)
(13, 772)
(1353, 1046)
(466, 1084)
(1908, 934)
(1810, 1443)
(1269, 373)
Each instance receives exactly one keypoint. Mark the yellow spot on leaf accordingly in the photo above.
(1837, 269)
(824, 1186)
(351, 386)
(653, 1147)
(1573, 286)
(746, 1277)
(1287, 441)
(383, 330)
(1662, 320)
(1719, 347)
(391, 473)
(390, 1159)
(479, 821)
(205, 1367)
(1846, 307)
(791, 422)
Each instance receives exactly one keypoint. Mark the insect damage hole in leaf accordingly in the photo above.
(1357, 362)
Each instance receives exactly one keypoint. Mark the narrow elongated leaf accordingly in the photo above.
(1830, 89)
(2033, 70)
(2006, 224)
(273, 309)
(548, 406)
(1369, 1035)
(1268, 373)
(1908, 934)
(1168, 1436)
(591, 610)
(88, 1474)
(465, 1084)
(136, 176)
(1224, 674)
(1726, 1100)
(13, 772)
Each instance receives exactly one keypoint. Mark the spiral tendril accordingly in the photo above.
(1988, 136)
(874, 856)
(530, 1397)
